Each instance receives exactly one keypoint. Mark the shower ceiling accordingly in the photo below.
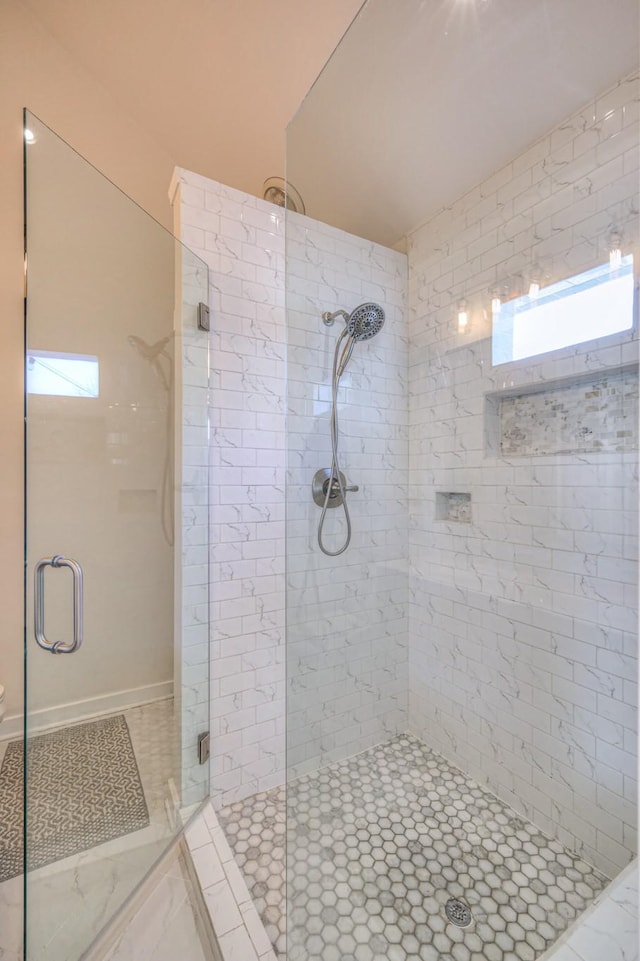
(460, 87)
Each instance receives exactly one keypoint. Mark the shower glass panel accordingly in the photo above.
(117, 600)
(461, 679)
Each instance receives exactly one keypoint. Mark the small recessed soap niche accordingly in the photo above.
(453, 506)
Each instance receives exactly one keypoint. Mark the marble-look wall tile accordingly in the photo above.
(241, 240)
(523, 622)
(347, 616)
(347, 620)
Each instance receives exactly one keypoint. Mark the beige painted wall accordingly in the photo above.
(100, 284)
(36, 72)
(129, 93)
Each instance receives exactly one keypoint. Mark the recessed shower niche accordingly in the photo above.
(590, 413)
(453, 506)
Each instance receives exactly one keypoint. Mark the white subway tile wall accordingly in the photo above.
(357, 664)
(241, 238)
(347, 616)
(520, 662)
(523, 623)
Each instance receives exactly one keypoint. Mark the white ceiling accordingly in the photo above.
(425, 98)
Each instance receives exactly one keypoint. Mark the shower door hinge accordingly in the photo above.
(204, 743)
(203, 317)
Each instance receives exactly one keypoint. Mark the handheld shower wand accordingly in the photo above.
(362, 324)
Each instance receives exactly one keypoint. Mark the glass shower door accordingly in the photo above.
(115, 692)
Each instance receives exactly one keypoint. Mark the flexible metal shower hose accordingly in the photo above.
(340, 361)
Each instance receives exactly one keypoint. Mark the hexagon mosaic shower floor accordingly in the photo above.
(377, 846)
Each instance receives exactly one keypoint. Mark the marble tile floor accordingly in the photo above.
(169, 925)
(92, 885)
(376, 846)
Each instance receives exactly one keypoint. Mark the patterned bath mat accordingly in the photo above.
(83, 789)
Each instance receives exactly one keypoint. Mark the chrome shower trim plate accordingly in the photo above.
(320, 484)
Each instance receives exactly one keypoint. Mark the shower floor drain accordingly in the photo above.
(458, 913)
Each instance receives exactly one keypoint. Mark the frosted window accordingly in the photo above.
(62, 375)
(594, 304)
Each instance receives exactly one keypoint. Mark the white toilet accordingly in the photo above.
(1, 702)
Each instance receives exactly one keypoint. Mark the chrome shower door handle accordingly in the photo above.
(58, 647)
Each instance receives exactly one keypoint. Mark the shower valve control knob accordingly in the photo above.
(320, 486)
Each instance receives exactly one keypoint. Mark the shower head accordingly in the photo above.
(365, 321)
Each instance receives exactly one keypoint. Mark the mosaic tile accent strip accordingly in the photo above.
(83, 789)
(599, 415)
(379, 843)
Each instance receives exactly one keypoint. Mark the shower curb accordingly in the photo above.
(236, 923)
(608, 927)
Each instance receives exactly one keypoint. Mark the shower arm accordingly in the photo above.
(328, 318)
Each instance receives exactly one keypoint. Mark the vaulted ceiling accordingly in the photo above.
(214, 82)
(424, 99)
(421, 100)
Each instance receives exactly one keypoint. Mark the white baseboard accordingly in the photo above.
(48, 717)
